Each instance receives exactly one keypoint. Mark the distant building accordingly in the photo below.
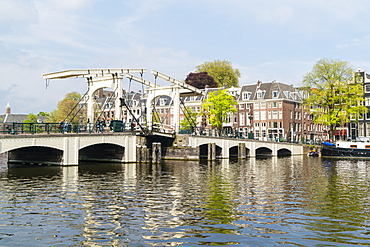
(273, 111)
(9, 117)
(361, 127)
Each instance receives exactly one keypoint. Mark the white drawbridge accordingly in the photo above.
(112, 78)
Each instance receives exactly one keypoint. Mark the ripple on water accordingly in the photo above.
(292, 202)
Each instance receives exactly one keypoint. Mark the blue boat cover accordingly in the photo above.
(328, 143)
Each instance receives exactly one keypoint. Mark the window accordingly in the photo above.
(269, 115)
(257, 133)
(367, 88)
(241, 106)
(263, 115)
(287, 94)
(367, 101)
(274, 104)
(263, 105)
(275, 94)
(257, 115)
(361, 129)
(274, 114)
(280, 114)
(256, 106)
(367, 129)
(260, 94)
(246, 95)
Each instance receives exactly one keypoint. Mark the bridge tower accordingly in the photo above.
(96, 79)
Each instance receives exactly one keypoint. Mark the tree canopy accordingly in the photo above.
(190, 119)
(222, 72)
(334, 96)
(31, 118)
(201, 80)
(218, 106)
(68, 109)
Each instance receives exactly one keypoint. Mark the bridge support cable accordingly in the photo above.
(187, 114)
(179, 89)
(83, 97)
(104, 107)
(123, 103)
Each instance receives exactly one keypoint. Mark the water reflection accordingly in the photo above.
(301, 201)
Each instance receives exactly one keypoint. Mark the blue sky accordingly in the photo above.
(266, 40)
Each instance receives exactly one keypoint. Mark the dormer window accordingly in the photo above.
(287, 94)
(247, 95)
(275, 94)
(260, 94)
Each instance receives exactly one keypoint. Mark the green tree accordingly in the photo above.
(190, 118)
(222, 71)
(29, 123)
(334, 96)
(67, 109)
(218, 106)
(31, 118)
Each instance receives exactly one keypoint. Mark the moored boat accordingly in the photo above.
(313, 153)
(347, 149)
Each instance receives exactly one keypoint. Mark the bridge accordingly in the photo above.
(51, 143)
(73, 149)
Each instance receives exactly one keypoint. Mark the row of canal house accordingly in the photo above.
(269, 111)
(265, 111)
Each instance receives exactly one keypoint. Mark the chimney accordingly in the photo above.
(259, 83)
(7, 109)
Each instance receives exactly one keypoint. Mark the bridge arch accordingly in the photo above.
(236, 152)
(102, 152)
(38, 155)
(263, 152)
(205, 149)
(284, 152)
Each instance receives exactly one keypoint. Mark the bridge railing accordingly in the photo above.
(228, 133)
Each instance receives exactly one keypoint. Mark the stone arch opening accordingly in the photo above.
(36, 155)
(263, 153)
(102, 152)
(204, 150)
(284, 153)
(218, 152)
(234, 152)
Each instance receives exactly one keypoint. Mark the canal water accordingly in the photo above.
(296, 201)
